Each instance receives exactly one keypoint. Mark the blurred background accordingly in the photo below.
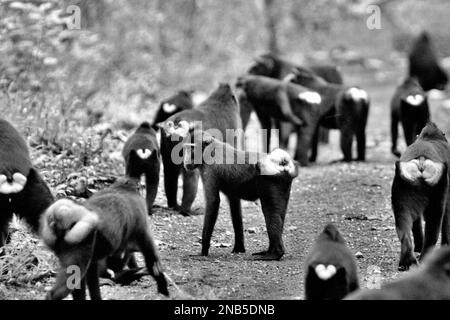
(63, 87)
(62, 71)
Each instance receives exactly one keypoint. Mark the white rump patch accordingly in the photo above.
(325, 273)
(15, 186)
(358, 94)
(276, 162)
(310, 97)
(415, 100)
(426, 169)
(432, 172)
(144, 153)
(169, 107)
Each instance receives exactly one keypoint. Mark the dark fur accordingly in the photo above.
(430, 282)
(414, 203)
(272, 66)
(241, 181)
(122, 225)
(341, 112)
(424, 65)
(35, 197)
(413, 118)
(219, 111)
(330, 249)
(143, 138)
(182, 100)
(270, 99)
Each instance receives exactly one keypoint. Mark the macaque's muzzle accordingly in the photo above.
(417, 170)
(14, 185)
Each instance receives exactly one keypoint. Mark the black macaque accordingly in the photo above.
(410, 107)
(22, 190)
(271, 99)
(111, 222)
(142, 156)
(180, 101)
(220, 112)
(420, 192)
(424, 65)
(346, 109)
(242, 175)
(330, 268)
(431, 281)
(272, 66)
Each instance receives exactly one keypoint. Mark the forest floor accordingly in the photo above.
(355, 196)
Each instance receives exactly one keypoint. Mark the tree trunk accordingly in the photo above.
(271, 26)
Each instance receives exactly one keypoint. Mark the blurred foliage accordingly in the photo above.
(128, 55)
(59, 86)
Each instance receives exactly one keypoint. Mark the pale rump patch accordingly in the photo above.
(325, 273)
(111, 273)
(310, 97)
(73, 220)
(15, 186)
(144, 153)
(169, 108)
(358, 94)
(415, 170)
(415, 100)
(276, 162)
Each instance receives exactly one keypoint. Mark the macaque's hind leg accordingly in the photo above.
(212, 198)
(92, 281)
(74, 261)
(151, 185)
(152, 261)
(236, 218)
(407, 258)
(36, 192)
(394, 134)
(274, 199)
(171, 173)
(418, 234)
(5, 218)
(445, 235)
(190, 187)
(434, 214)
(314, 145)
(80, 293)
(126, 277)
